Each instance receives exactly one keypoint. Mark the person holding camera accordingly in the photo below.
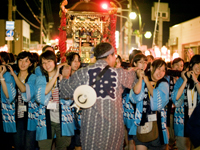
(54, 117)
(18, 101)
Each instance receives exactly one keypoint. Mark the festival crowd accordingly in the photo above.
(147, 105)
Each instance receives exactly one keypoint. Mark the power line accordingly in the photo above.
(32, 11)
(27, 20)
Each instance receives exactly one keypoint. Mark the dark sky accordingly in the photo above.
(180, 11)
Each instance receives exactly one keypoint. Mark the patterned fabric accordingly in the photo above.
(181, 110)
(102, 124)
(67, 124)
(20, 102)
(157, 103)
(8, 105)
(128, 107)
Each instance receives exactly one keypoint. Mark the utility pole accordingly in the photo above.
(14, 17)
(41, 22)
(9, 43)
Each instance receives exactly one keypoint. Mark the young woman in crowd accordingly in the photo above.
(177, 64)
(118, 62)
(185, 96)
(54, 114)
(18, 102)
(151, 95)
(37, 70)
(74, 60)
(139, 61)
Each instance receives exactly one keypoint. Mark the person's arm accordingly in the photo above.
(161, 96)
(180, 101)
(149, 86)
(2, 79)
(138, 85)
(181, 89)
(196, 82)
(136, 98)
(30, 89)
(40, 87)
(8, 90)
(19, 84)
(50, 84)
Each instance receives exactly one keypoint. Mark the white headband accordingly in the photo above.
(112, 50)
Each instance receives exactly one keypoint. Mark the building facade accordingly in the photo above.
(184, 38)
(21, 36)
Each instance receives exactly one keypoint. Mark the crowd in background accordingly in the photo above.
(36, 95)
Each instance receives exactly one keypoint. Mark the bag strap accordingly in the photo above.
(100, 74)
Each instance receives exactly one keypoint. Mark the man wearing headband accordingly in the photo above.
(102, 124)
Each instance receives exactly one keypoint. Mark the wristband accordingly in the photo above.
(2, 78)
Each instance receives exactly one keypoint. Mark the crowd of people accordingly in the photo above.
(150, 104)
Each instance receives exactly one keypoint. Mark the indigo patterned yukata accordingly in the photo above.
(66, 118)
(102, 126)
(157, 103)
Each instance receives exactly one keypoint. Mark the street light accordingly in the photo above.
(148, 35)
(132, 15)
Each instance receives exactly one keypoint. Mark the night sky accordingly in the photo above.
(180, 11)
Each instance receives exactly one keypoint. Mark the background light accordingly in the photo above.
(132, 15)
(148, 35)
(104, 6)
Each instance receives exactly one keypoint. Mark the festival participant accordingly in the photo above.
(139, 61)
(6, 140)
(185, 96)
(102, 124)
(74, 60)
(18, 103)
(118, 62)
(38, 71)
(177, 64)
(151, 95)
(54, 115)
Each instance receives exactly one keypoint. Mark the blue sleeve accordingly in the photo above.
(180, 101)
(10, 83)
(30, 89)
(167, 78)
(160, 96)
(40, 91)
(135, 98)
(38, 71)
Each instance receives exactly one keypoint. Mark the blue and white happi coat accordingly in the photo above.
(67, 124)
(179, 115)
(157, 103)
(102, 125)
(8, 104)
(128, 108)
